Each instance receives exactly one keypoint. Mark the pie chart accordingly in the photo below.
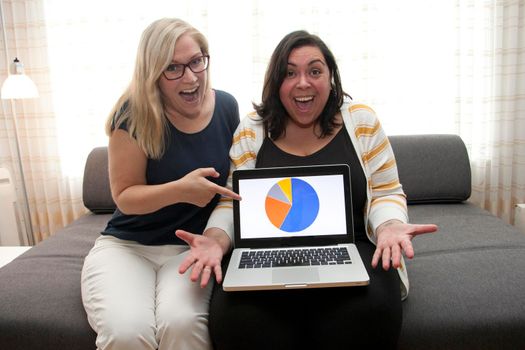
(292, 205)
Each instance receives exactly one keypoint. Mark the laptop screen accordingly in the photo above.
(293, 204)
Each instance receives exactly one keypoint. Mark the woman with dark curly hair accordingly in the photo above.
(305, 118)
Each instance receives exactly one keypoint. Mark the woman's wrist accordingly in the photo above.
(221, 237)
(386, 224)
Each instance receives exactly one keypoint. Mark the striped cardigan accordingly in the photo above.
(385, 197)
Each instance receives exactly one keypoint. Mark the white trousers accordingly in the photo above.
(135, 297)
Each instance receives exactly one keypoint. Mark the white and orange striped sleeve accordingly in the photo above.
(388, 199)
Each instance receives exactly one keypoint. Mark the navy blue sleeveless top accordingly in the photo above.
(184, 153)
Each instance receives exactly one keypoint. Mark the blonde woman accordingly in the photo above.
(169, 137)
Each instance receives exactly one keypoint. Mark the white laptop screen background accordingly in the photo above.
(330, 220)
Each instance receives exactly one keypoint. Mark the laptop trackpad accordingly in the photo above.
(295, 275)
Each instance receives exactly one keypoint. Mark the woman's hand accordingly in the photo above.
(395, 238)
(200, 191)
(205, 255)
(131, 191)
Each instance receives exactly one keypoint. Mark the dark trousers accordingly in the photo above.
(326, 318)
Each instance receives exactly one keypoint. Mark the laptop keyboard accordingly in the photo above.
(294, 257)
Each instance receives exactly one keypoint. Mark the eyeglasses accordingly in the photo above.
(196, 65)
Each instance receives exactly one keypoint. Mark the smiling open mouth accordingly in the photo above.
(304, 102)
(190, 95)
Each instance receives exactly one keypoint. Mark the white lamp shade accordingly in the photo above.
(18, 86)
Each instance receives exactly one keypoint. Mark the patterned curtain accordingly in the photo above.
(54, 199)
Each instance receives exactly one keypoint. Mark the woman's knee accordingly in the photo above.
(183, 329)
(126, 334)
(182, 322)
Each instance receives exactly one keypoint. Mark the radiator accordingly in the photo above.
(10, 225)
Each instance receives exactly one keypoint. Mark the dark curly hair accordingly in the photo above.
(271, 109)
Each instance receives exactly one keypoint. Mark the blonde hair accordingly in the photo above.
(141, 105)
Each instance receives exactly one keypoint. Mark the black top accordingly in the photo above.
(339, 151)
(184, 153)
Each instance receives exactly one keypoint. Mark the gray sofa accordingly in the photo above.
(467, 280)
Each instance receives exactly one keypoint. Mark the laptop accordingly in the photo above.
(293, 228)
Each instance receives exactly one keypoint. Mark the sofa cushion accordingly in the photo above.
(40, 294)
(432, 168)
(471, 299)
(462, 226)
(466, 282)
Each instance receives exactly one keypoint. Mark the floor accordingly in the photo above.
(9, 253)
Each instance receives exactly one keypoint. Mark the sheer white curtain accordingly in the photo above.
(54, 198)
(397, 56)
(424, 66)
(490, 100)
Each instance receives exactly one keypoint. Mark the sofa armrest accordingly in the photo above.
(96, 192)
(432, 168)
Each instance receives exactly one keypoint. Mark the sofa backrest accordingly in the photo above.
(432, 169)
(96, 192)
